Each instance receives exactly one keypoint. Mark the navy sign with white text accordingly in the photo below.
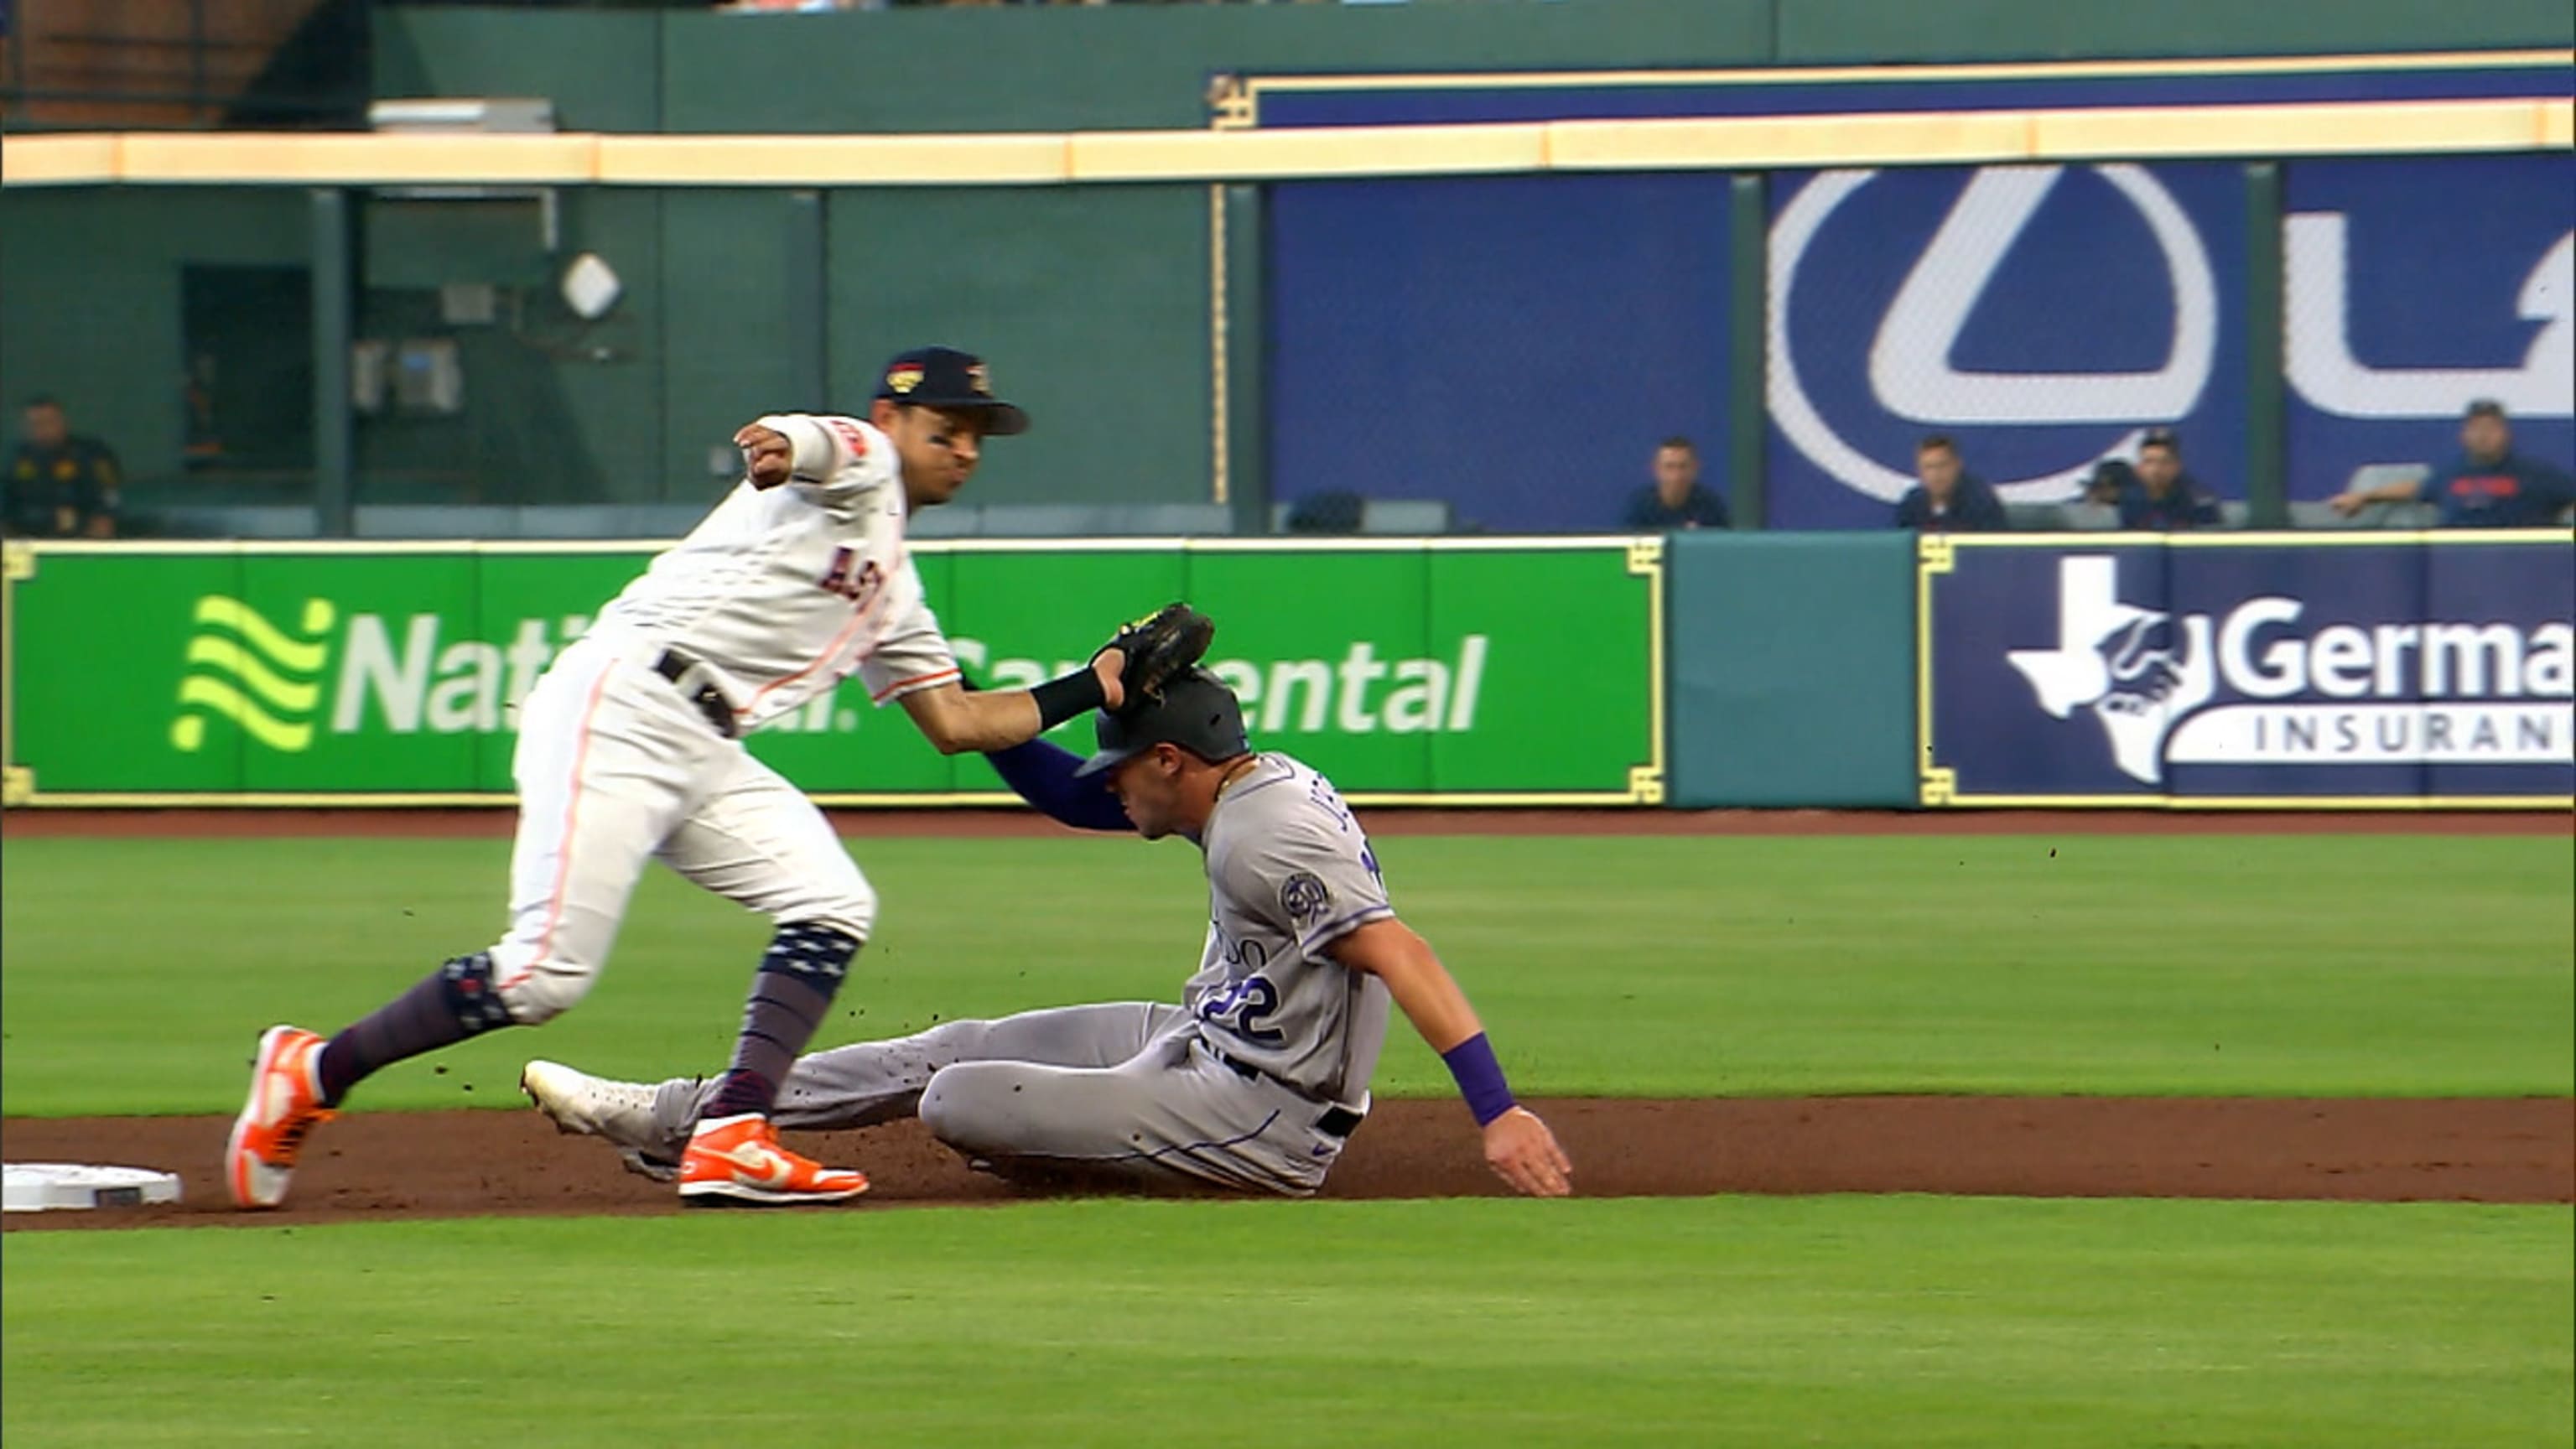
(2043, 317)
(2414, 288)
(2205, 669)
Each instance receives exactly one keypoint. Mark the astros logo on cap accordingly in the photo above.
(978, 379)
(905, 378)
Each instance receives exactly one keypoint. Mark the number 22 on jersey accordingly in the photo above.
(1241, 1009)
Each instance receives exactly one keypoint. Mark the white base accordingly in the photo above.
(35, 1187)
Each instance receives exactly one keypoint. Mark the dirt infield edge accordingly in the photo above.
(404, 1165)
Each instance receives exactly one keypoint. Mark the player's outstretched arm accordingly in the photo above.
(1138, 659)
(956, 720)
(824, 452)
(1043, 774)
(1518, 1146)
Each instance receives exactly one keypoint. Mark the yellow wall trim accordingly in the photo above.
(1215, 156)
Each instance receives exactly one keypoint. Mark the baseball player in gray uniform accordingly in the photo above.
(1254, 1081)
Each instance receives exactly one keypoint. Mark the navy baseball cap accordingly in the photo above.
(1197, 712)
(943, 377)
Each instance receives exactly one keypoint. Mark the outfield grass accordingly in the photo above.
(1899, 1322)
(138, 971)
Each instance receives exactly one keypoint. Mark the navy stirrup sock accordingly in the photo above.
(794, 986)
(446, 1006)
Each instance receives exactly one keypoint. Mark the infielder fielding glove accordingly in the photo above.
(1159, 647)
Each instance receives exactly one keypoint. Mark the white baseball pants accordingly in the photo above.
(616, 765)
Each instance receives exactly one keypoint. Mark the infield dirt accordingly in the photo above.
(473, 1163)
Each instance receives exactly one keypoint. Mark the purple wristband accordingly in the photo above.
(1480, 1078)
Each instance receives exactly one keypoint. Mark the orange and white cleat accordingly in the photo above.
(737, 1162)
(285, 1104)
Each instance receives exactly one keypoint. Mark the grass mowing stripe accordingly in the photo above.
(1850, 1321)
(2325, 965)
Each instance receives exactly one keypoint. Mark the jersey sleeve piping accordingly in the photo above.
(1316, 940)
(902, 687)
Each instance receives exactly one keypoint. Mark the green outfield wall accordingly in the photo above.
(1514, 672)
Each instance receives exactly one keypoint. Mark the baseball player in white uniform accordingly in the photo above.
(1253, 1082)
(630, 747)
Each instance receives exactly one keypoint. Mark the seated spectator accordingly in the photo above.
(2111, 478)
(1947, 498)
(1675, 500)
(2164, 496)
(60, 485)
(1332, 511)
(2487, 486)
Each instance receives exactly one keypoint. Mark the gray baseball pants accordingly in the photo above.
(1123, 1092)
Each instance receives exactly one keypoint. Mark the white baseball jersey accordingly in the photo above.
(782, 592)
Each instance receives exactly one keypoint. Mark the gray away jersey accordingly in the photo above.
(1289, 873)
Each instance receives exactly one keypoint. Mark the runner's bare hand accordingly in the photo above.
(1522, 1152)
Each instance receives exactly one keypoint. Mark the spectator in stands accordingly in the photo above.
(2164, 497)
(1946, 497)
(60, 485)
(2487, 486)
(1675, 500)
(1335, 510)
(2111, 478)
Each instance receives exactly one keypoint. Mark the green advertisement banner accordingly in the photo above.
(1524, 671)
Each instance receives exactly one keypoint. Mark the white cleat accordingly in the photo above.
(587, 1106)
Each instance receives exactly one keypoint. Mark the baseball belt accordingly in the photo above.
(1336, 1121)
(710, 700)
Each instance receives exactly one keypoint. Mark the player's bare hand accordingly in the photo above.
(1522, 1152)
(767, 457)
(1109, 665)
(2349, 504)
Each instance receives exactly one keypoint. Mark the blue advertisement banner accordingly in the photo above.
(1516, 346)
(2212, 670)
(2412, 288)
(2042, 317)
(1785, 91)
